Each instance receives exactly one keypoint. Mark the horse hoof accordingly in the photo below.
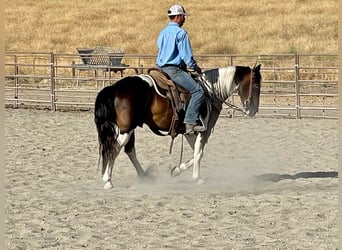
(108, 185)
(200, 181)
(175, 171)
(148, 173)
(147, 178)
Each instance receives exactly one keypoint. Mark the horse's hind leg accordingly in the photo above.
(107, 175)
(108, 163)
(130, 151)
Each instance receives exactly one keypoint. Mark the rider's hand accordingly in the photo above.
(198, 70)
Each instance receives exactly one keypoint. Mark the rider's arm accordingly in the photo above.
(185, 51)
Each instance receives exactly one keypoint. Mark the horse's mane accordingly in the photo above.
(219, 81)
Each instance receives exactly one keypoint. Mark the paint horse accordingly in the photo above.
(133, 101)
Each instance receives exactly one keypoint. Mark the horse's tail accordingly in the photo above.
(105, 124)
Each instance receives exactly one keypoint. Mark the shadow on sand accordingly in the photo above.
(279, 177)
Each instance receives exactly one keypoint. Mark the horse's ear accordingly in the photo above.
(257, 68)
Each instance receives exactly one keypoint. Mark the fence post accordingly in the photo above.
(52, 80)
(297, 87)
(141, 67)
(16, 82)
(34, 68)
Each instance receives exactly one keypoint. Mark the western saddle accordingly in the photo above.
(178, 96)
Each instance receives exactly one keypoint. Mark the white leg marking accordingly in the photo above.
(185, 165)
(175, 171)
(182, 167)
(122, 140)
(106, 174)
(198, 153)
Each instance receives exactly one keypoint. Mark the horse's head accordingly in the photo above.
(249, 91)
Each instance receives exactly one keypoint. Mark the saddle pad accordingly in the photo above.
(164, 81)
(152, 83)
(161, 79)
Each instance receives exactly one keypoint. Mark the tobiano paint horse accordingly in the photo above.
(132, 101)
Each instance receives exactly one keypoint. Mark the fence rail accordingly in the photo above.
(294, 85)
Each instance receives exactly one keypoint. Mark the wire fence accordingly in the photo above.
(294, 85)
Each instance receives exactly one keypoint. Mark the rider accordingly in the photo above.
(174, 55)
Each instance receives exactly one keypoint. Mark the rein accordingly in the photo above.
(232, 106)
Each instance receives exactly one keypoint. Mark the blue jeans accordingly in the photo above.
(183, 79)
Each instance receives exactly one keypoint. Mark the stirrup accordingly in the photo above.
(191, 129)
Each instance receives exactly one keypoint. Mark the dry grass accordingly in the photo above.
(216, 26)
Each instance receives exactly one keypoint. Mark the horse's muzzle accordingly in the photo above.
(250, 108)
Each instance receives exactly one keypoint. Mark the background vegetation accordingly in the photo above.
(215, 26)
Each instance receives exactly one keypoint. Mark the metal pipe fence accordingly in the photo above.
(294, 85)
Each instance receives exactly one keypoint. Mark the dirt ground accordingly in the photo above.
(269, 184)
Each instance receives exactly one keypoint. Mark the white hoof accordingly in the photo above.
(175, 171)
(108, 185)
(200, 181)
(183, 167)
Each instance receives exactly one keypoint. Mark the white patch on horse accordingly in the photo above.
(121, 141)
(198, 154)
(221, 80)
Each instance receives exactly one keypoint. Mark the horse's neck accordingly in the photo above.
(219, 82)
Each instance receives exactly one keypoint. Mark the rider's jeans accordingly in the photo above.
(183, 78)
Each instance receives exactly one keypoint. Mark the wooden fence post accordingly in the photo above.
(52, 80)
(16, 82)
(297, 87)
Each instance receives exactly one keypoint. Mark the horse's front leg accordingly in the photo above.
(130, 151)
(198, 154)
(181, 168)
(185, 165)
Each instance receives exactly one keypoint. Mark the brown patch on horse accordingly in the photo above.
(160, 114)
(243, 78)
(132, 98)
(124, 112)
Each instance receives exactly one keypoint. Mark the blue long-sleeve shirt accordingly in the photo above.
(174, 47)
